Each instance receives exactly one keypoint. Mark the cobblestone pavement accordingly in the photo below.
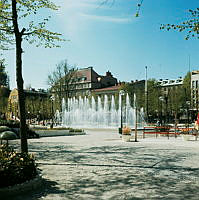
(100, 165)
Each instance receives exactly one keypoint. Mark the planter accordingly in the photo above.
(126, 138)
(186, 137)
(25, 187)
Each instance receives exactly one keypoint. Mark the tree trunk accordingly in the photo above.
(22, 111)
(21, 96)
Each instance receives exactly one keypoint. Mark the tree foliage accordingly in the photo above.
(19, 21)
(137, 14)
(4, 80)
(187, 85)
(61, 80)
(4, 94)
(191, 26)
(31, 30)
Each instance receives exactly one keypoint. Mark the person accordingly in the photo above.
(158, 123)
(196, 125)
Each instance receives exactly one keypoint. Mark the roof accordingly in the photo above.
(167, 82)
(196, 72)
(112, 88)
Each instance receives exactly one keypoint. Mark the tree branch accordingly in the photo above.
(22, 31)
(29, 33)
(1, 16)
(9, 31)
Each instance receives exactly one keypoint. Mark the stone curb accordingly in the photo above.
(56, 133)
(22, 187)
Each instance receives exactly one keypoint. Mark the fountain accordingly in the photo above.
(99, 112)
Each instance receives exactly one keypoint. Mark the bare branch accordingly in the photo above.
(6, 30)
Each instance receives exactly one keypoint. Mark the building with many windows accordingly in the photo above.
(85, 80)
(167, 84)
(37, 102)
(195, 89)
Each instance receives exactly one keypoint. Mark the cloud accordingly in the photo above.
(79, 4)
(104, 18)
(77, 15)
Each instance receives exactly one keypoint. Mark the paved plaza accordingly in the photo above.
(99, 165)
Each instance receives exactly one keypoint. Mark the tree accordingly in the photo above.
(153, 98)
(138, 8)
(4, 80)
(4, 94)
(13, 15)
(176, 101)
(187, 86)
(191, 25)
(61, 81)
(138, 89)
(135, 88)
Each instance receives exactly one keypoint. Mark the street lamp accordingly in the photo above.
(135, 117)
(29, 120)
(52, 100)
(161, 98)
(188, 104)
(121, 93)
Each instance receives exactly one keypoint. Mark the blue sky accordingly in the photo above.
(110, 37)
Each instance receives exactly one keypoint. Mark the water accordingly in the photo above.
(99, 112)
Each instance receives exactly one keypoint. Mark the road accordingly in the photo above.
(100, 165)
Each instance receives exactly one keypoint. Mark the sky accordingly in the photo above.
(110, 37)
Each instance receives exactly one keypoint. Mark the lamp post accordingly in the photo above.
(135, 117)
(188, 104)
(166, 110)
(52, 100)
(146, 97)
(161, 98)
(121, 93)
(29, 117)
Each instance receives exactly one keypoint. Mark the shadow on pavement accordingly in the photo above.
(114, 172)
(48, 187)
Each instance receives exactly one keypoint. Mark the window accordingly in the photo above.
(193, 84)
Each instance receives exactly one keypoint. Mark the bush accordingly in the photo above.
(15, 167)
(164, 128)
(10, 123)
(126, 131)
(4, 128)
(75, 130)
(70, 129)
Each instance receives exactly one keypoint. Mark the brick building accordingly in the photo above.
(86, 79)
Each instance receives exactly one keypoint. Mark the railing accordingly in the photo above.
(167, 130)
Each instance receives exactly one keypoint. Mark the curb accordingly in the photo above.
(22, 187)
(55, 133)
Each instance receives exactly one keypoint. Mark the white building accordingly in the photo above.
(167, 84)
(195, 88)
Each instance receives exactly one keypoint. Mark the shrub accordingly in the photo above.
(10, 123)
(164, 128)
(4, 128)
(126, 131)
(15, 167)
(75, 130)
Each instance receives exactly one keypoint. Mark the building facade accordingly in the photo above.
(85, 80)
(167, 84)
(113, 90)
(195, 89)
(36, 103)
